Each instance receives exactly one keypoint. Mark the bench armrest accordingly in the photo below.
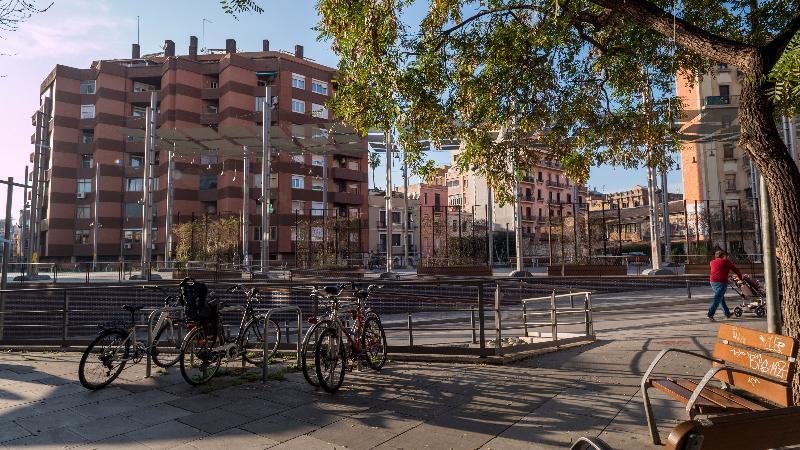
(664, 352)
(710, 375)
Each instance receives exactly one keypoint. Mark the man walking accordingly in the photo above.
(720, 267)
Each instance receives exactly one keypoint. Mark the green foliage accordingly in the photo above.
(374, 162)
(234, 7)
(521, 81)
(208, 239)
(327, 243)
(785, 77)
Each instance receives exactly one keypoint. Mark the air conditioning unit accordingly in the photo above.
(81, 194)
(127, 246)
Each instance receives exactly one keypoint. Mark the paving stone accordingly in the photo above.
(255, 408)
(199, 403)
(354, 433)
(10, 430)
(166, 435)
(306, 443)
(50, 439)
(234, 438)
(106, 427)
(52, 420)
(214, 420)
(113, 443)
(279, 428)
(155, 414)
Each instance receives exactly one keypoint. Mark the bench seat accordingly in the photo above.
(712, 399)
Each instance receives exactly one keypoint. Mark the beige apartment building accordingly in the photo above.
(378, 227)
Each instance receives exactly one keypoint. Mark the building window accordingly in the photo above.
(208, 182)
(210, 207)
(81, 236)
(382, 242)
(136, 160)
(396, 240)
(319, 87)
(299, 159)
(730, 181)
(727, 151)
(132, 236)
(298, 206)
(84, 186)
(298, 106)
(86, 161)
(260, 103)
(139, 111)
(133, 210)
(558, 197)
(142, 87)
(569, 198)
(212, 108)
(88, 86)
(317, 160)
(317, 208)
(87, 111)
(298, 182)
(319, 111)
(316, 185)
(87, 136)
(208, 159)
(134, 184)
(298, 81)
(83, 212)
(213, 84)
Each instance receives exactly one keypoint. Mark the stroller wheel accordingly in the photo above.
(737, 311)
(761, 311)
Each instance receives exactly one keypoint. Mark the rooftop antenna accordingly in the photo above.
(205, 49)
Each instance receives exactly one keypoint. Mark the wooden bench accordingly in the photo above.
(747, 362)
(747, 431)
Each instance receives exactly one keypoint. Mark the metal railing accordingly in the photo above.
(554, 311)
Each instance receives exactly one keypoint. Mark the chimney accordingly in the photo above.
(193, 47)
(135, 51)
(298, 51)
(265, 45)
(230, 45)
(169, 48)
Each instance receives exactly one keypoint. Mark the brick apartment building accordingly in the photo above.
(216, 90)
(633, 198)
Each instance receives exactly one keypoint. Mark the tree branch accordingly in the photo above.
(688, 35)
(774, 49)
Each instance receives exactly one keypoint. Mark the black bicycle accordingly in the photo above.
(208, 343)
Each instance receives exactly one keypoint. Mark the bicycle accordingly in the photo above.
(116, 345)
(206, 345)
(312, 334)
(366, 340)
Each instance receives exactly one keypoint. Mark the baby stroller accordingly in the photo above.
(753, 296)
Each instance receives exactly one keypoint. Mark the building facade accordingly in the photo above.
(635, 197)
(378, 227)
(93, 173)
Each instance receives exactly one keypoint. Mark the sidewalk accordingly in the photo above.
(544, 402)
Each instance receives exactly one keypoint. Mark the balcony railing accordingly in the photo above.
(557, 184)
(721, 100)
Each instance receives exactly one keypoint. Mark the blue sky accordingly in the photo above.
(76, 32)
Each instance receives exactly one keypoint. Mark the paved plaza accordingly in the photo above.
(545, 402)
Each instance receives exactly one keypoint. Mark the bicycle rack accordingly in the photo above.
(267, 316)
(165, 309)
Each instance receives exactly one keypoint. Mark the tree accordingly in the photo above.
(14, 12)
(374, 162)
(573, 77)
(208, 239)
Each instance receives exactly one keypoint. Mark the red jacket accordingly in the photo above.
(720, 268)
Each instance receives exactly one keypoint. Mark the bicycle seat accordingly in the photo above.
(132, 308)
(331, 291)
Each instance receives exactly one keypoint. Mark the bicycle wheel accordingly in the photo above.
(307, 360)
(199, 362)
(166, 349)
(373, 342)
(104, 359)
(253, 340)
(330, 360)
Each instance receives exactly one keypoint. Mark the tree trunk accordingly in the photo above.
(762, 142)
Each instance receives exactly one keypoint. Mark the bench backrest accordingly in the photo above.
(771, 355)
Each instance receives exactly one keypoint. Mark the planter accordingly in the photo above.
(590, 270)
(456, 271)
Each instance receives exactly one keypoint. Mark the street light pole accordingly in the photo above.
(266, 157)
(388, 197)
(96, 220)
(170, 203)
(245, 210)
(665, 218)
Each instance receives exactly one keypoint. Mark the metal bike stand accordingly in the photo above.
(149, 363)
(267, 316)
(231, 309)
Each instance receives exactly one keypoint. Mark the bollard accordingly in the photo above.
(481, 321)
(553, 316)
(285, 329)
(472, 323)
(410, 332)
(65, 319)
(498, 334)
(586, 317)
(571, 299)
(525, 317)
(688, 289)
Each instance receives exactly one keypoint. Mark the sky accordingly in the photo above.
(76, 32)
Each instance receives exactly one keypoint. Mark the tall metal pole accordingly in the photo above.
(754, 188)
(489, 224)
(770, 261)
(246, 210)
(7, 236)
(653, 200)
(24, 243)
(146, 211)
(388, 142)
(665, 208)
(34, 215)
(518, 217)
(170, 204)
(405, 209)
(96, 219)
(266, 156)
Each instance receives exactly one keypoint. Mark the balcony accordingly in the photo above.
(209, 119)
(527, 198)
(529, 179)
(342, 173)
(557, 184)
(209, 93)
(347, 198)
(138, 97)
(721, 100)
